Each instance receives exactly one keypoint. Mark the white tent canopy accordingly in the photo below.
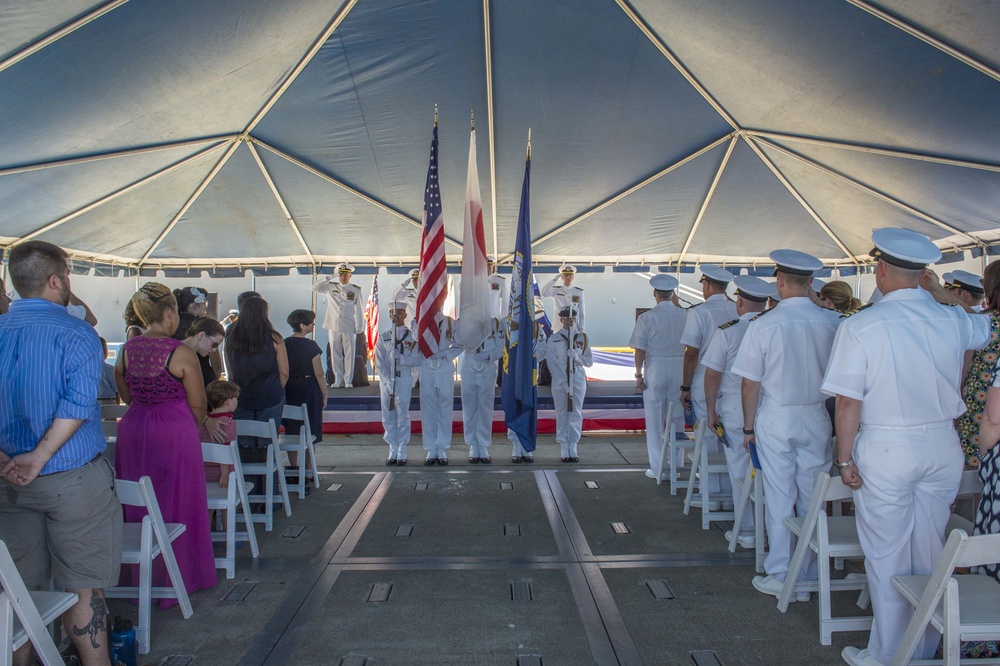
(210, 133)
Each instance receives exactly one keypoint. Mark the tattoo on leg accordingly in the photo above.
(96, 624)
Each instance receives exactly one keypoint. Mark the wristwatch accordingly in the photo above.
(638, 375)
(846, 463)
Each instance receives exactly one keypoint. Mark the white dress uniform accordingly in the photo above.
(478, 369)
(437, 392)
(498, 296)
(902, 358)
(658, 333)
(566, 297)
(567, 361)
(517, 453)
(786, 349)
(345, 318)
(407, 293)
(394, 356)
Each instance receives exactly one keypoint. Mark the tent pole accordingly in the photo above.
(281, 203)
(921, 157)
(708, 199)
(621, 195)
(117, 193)
(489, 118)
(890, 200)
(194, 196)
(798, 197)
(60, 33)
(923, 36)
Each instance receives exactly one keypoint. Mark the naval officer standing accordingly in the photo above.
(345, 318)
(566, 295)
(395, 353)
(568, 353)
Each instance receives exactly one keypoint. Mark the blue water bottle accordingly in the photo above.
(124, 651)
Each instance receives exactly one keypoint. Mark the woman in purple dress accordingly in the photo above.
(160, 380)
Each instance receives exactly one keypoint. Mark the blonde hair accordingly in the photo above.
(841, 295)
(152, 301)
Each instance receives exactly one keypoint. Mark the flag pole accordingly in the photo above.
(529, 143)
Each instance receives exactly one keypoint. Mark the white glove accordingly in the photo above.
(576, 355)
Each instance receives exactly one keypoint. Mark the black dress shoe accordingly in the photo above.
(430, 461)
(564, 460)
(442, 461)
(390, 461)
(474, 461)
(574, 459)
(486, 461)
(527, 459)
(516, 460)
(400, 462)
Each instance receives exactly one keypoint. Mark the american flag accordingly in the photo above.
(433, 282)
(371, 319)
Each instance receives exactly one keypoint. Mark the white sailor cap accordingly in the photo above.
(752, 288)
(774, 295)
(968, 281)
(663, 282)
(567, 312)
(794, 262)
(567, 268)
(904, 248)
(398, 305)
(948, 278)
(818, 285)
(714, 273)
(344, 268)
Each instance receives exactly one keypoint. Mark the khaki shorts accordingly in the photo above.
(65, 526)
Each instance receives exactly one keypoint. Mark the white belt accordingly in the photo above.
(936, 425)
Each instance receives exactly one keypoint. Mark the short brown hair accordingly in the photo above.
(219, 391)
(31, 265)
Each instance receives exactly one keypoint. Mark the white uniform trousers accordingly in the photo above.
(396, 422)
(517, 450)
(910, 477)
(730, 410)
(342, 355)
(663, 381)
(437, 402)
(795, 446)
(478, 394)
(718, 484)
(569, 424)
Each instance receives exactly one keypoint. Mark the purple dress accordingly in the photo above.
(158, 438)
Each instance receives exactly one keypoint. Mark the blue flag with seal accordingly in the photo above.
(519, 391)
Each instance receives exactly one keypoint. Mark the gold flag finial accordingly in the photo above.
(435, 114)
(529, 143)
(472, 119)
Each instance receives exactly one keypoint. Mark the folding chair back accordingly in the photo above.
(699, 437)
(302, 444)
(23, 614)
(274, 463)
(668, 437)
(233, 496)
(141, 544)
(751, 490)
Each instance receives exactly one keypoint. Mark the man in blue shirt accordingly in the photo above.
(59, 515)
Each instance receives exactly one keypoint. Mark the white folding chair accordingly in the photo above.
(301, 444)
(970, 486)
(275, 462)
(141, 544)
(828, 537)
(113, 412)
(695, 459)
(751, 490)
(668, 437)
(229, 499)
(709, 463)
(23, 614)
(673, 449)
(963, 607)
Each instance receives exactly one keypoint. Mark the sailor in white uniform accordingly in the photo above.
(345, 318)
(723, 393)
(498, 291)
(656, 340)
(518, 454)
(782, 360)
(478, 369)
(568, 353)
(407, 293)
(896, 369)
(968, 288)
(395, 353)
(702, 321)
(437, 393)
(566, 294)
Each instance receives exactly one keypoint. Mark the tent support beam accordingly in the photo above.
(875, 193)
(621, 195)
(190, 200)
(330, 179)
(802, 202)
(669, 55)
(487, 30)
(114, 195)
(708, 199)
(281, 203)
(923, 36)
(306, 59)
(111, 155)
(60, 33)
(920, 157)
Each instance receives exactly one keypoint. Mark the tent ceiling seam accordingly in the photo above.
(675, 61)
(802, 201)
(708, 199)
(937, 43)
(638, 186)
(117, 193)
(865, 188)
(281, 202)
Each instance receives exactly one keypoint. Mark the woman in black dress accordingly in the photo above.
(306, 380)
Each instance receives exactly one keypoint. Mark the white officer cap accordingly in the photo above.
(714, 273)
(753, 288)
(567, 268)
(663, 282)
(794, 262)
(818, 285)
(968, 281)
(949, 279)
(904, 248)
(774, 295)
(344, 268)
(415, 272)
